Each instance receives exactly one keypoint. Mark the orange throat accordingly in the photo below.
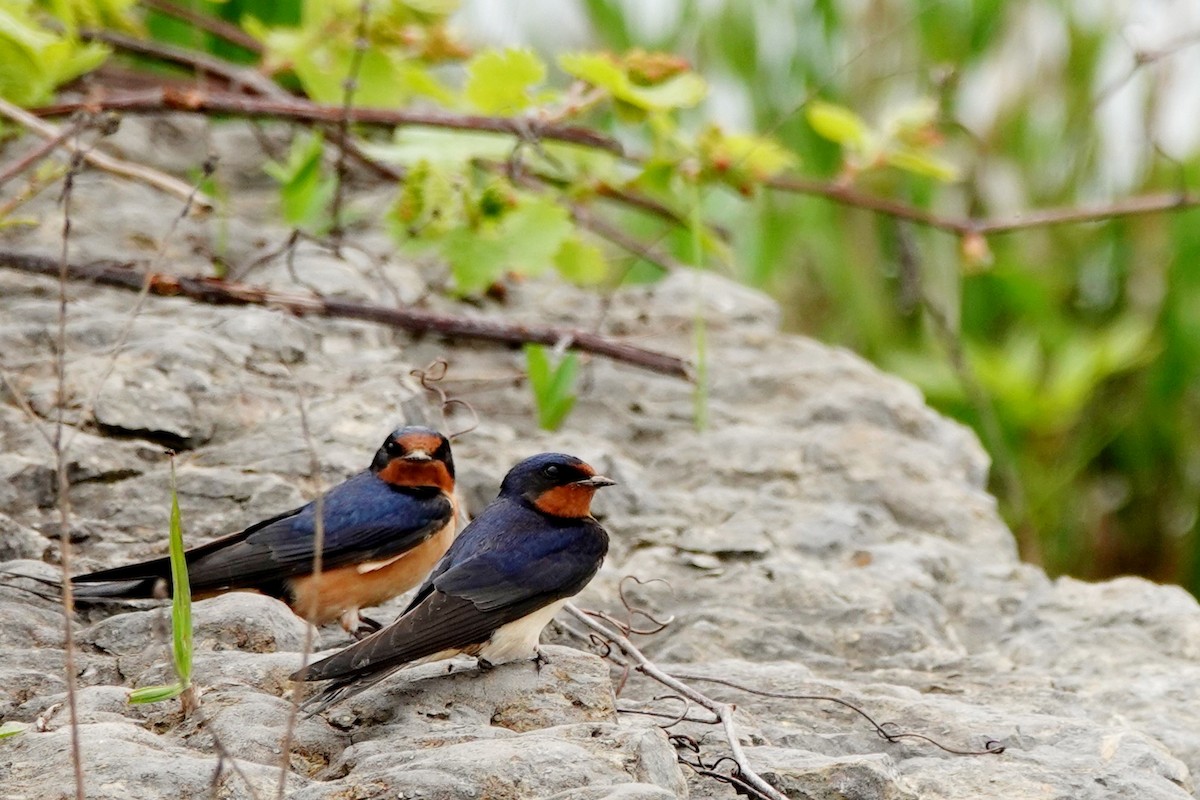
(399, 472)
(566, 501)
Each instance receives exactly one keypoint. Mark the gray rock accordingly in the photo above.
(543, 762)
(20, 541)
(234, 621)
(122, 761)
(829, 534)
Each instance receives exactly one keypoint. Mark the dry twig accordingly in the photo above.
(722, 711)
(155, 101)
(123, 169)
(217, 292)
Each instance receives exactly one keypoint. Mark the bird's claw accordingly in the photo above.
(366, 626)
(540, 659)
(485, 665)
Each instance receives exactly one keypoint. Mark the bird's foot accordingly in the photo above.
(484, 665)
(358, 626)
(540, 659)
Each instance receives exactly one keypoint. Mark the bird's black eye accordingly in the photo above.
(551, 471)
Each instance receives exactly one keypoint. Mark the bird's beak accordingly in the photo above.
(595, 482)
(416, 455)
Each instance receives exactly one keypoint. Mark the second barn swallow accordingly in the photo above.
(498, 585)
(384, 528)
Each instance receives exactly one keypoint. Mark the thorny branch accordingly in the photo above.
(217, 292)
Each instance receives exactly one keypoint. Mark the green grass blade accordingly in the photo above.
(10, 729)
(181, 599)
(155, 694)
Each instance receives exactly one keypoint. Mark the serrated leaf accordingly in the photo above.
(838, 124)
(580, 262)
(498, 82)
(477, 259)
(33, 60)
(682, 91)
(920, 162)
(679, 91)
(597, 69)
(534, 232)
(155, 694)
(524, 240)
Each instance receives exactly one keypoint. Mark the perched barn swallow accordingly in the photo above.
(384, 529)
(499, 584)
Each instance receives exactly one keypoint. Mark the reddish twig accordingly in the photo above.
(201, 62)
(217, 292)
(963, 226)
(208, 102)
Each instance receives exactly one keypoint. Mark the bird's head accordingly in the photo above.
(555, 484)
(415, 456)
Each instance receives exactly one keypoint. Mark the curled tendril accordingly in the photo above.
(885, 730)
(632, 611)
(429, 377)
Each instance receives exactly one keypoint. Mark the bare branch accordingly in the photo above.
(208, 23)
(63, 484)
(206, 102)
(236, 76)
(116, 166)
(349, 86)
(217, 292)
(723, 711)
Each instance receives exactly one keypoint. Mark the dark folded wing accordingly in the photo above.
(468, 601)
(365, 520)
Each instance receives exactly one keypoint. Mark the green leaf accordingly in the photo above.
(534, 232)
(155, 694)
(441, 147)
(33, 60)
(597, 69)
(304, 190)
(679, 91)
(498, 82)
(920, 162)
(552, 385)
(10, 729)
(181, 613)
(181, 593)
(580, 262)
(524, 240)
(838, 124)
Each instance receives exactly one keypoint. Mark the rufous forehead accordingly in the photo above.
(421, 441)
(586, 469)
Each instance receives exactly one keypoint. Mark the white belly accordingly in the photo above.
(519, 639)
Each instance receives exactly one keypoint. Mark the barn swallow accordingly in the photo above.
(384, 529)
(506, 575)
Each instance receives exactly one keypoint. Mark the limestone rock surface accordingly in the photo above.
(828, 534)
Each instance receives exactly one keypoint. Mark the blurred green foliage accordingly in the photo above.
(1071, 349)
(1084, 340)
